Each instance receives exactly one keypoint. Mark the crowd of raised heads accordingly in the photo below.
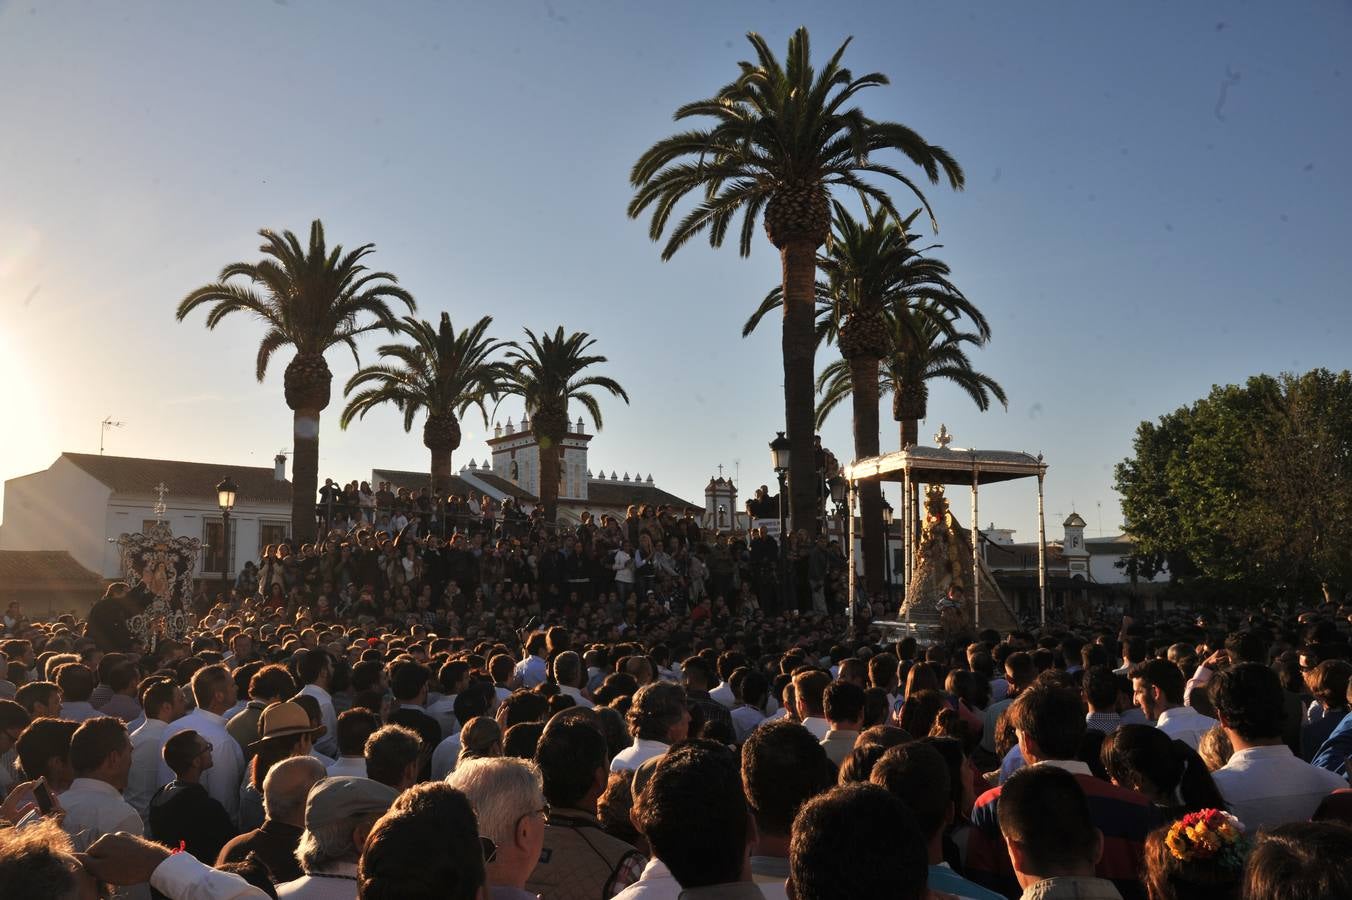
(602, 577)
(308, 753)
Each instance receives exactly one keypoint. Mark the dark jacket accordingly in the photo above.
(108, 619)
(181, 812)
(274, 842)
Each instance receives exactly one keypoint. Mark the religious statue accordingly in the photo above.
(163, 566)
(942, 567)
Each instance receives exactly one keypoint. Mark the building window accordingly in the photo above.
(212, 541)
(271, 533)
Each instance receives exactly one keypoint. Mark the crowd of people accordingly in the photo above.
(657, 561)
(514, 732)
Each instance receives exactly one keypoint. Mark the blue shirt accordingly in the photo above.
(942, 878)
(1337, 747)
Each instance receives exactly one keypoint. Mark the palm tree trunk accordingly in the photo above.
(799, 263)
(864, 397)
(304, 474)
(549, 480)
(441, 469)
(910, 436)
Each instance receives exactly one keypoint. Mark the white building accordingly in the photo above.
(514, 471)
(83, 502)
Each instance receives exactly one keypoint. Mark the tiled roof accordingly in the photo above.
(53, 569)
(132, 475)
(415, 480)
(504, 486)
(619, 494)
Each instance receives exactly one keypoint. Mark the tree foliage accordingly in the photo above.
(1250, 486)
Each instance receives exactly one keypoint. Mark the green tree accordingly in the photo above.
(547, 374)
(441, 372)
(310, 298)
(879, 286)
(784, 136)
(1249, 487)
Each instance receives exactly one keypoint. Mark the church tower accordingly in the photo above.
(720, 503)
(1073, 549)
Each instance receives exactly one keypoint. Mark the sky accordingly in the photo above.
(1154, 205)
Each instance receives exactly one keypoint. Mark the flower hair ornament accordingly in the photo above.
(1212, 835)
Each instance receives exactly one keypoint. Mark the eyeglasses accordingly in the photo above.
(489, 848)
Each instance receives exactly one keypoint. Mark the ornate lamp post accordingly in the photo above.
(887, 548)
(779, 459)
(840, 489)
(225, 497)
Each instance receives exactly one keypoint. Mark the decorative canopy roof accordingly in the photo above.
(1074, 521)
(947, 465)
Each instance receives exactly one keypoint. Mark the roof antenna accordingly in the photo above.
(103, 430)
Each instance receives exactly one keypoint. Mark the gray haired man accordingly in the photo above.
(508, 798)
(339, 813)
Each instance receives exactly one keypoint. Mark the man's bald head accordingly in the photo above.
(287, 785)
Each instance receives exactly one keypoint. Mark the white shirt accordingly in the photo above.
(182, 877)
(222, 780)
(577, 696)
(347, 765)
(95, 808)
(623, 566)
(531, 671)
(443, 710)
(1267, 786)
(328, 743)
(636, 754)
(78, 711)
(657, 883)
(1183, 723)
(745, 719)
(310, 888)
(444, 757)
(144, 778)
(723, 694)
(817, 725)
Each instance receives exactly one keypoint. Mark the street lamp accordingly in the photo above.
(887, 548)
(225, 497)
(779, 459)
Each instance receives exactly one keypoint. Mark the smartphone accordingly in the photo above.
(42, 796)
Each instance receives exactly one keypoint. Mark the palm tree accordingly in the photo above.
(784, 137)
(311, 299)
(927, 348)
(875, 276)
(545, 374)
(441, 372)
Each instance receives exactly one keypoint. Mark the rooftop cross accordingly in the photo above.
(943, 438)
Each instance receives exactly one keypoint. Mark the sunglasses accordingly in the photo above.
(489, 848)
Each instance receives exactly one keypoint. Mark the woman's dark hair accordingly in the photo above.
(1144, 758)
(1168, 878)
(919, 712)
(425, 848)
(1299, 860)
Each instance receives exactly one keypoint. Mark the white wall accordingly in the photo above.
(61, 508)
(186, 518)
(1103, 569)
